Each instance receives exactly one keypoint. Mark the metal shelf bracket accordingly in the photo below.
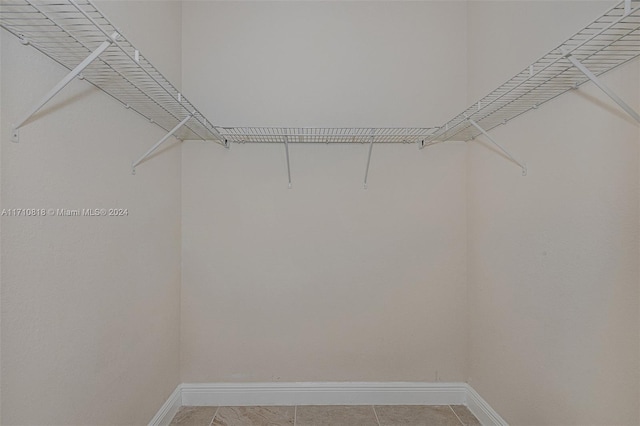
(366, 173)
(591, 76)
(160, 142)
(611, 40)
(224, 141)
(76, 72)
(286, 150)
(500, 147)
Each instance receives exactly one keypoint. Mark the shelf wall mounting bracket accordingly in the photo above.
(15, 128)
(500, 147)
(225, 142)
(160, 142)
(286, 150)
(591, 76)
(366, 173)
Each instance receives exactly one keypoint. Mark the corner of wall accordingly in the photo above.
(91, 331)
(181, 333)
(534, 236)
(467, 204)
(1, 207)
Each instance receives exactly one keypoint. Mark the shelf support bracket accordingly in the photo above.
(366, 173)
(225, 142)
(500, 147)
(591, 76)
(286, 150)
(15, 128)
(160, 142)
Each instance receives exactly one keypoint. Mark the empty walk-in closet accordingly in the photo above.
(319, 212)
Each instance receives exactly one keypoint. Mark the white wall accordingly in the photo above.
(90, 306)
(332, 64)
(450, 266)
(326, 281)
(1, 207)
(553, 256)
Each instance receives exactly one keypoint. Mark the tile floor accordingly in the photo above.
(329, 415)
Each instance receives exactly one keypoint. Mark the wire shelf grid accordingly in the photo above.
(324, 135)
(610, 41)
(69, 30)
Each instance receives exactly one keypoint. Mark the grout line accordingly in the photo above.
(295, 415)
(214, 416)
(375, 414)
(456, 414)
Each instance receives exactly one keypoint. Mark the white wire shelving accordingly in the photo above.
(611, 40)
(78, 36)
(325, 135)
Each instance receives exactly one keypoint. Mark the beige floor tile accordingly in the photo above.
(416, 415)
(254, 416)
(194, 416)
(465, 416)
(335, 415)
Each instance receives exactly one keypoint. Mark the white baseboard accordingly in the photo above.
(328, 393)
(482, 410)
(169, 409)
(323, 393)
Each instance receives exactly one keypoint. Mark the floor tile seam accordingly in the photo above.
(375, 414)
(456, 414)
(214, 416)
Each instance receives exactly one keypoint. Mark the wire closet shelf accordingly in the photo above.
(608, 42)
(71, 31)
(68, 31)
(325, 134)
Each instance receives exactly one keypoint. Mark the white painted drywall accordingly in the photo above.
(332, 64)
(553, 274)
(1, 206)
(90, 306)
(326, 281)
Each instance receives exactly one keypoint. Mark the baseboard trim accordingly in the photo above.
(169, 409)
(328, 393)
(322, 393)
(482, 410)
